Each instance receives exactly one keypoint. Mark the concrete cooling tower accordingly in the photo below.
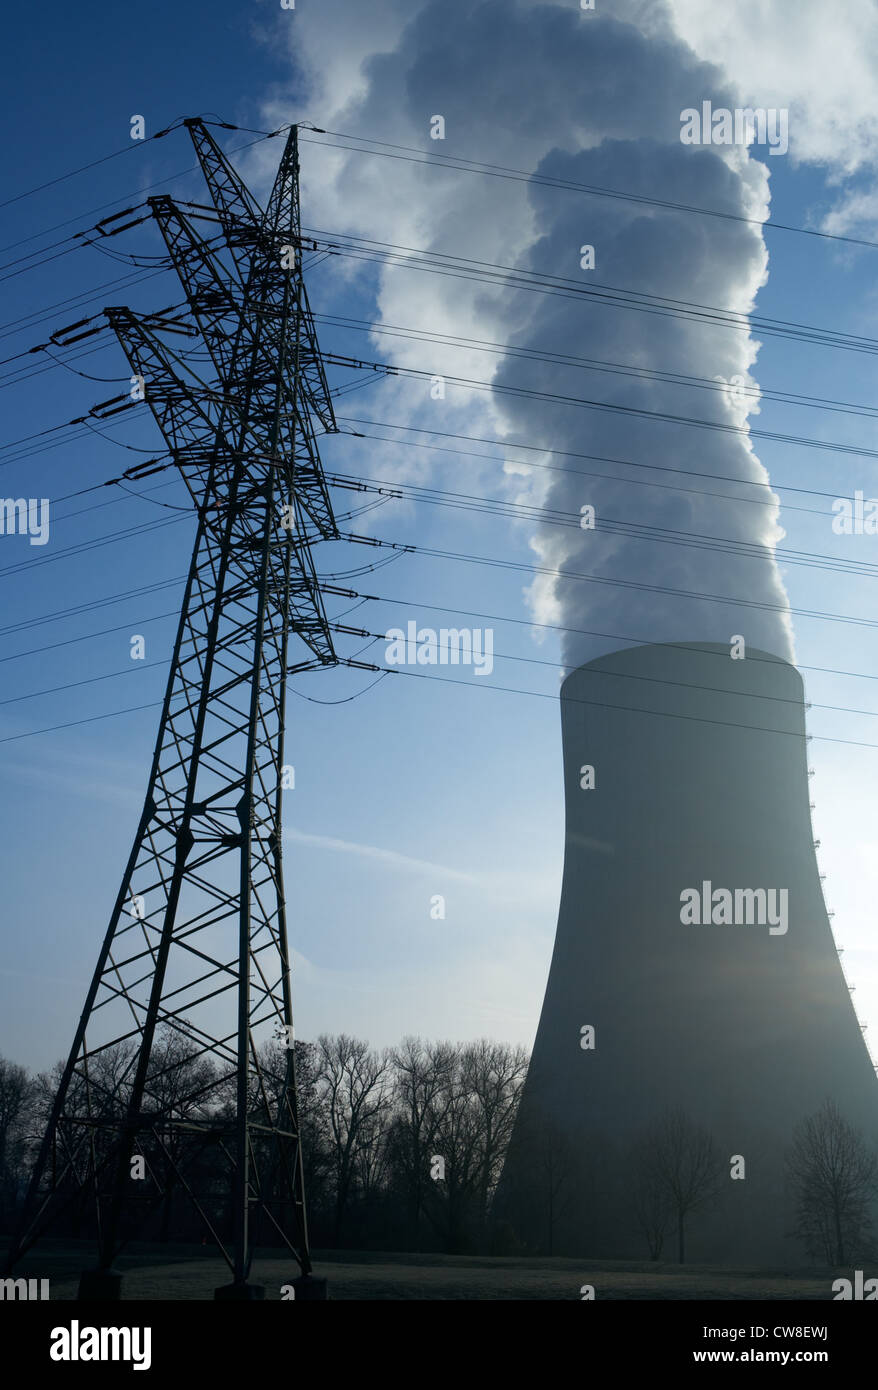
(694, 971)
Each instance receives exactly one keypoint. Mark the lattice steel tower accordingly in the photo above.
(195, 964)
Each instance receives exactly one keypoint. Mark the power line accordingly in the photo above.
(441, 160)
(133, 193)
(89, 680)
(587, 632)
(88, 636)
(665, 417)
(557, 398)
(632, 709)
(449, 498)
(494, 272)
(555, 664)
(653, 680)
(409, 334)
(83, 168)
(92, 605)
(380, 637)
(60, 615)
(83, 297)
(508, 446)
(80, 432)
(512, 510)
(74, 723)
(21, 374)
(612, 477)
(758, 393)
(636, 587)
(83, 547)
(15, 326)
(612, 296)
(511, 690)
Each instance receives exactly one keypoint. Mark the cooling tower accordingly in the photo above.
(744, 1026)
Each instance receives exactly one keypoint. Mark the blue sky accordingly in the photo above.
(413, 789)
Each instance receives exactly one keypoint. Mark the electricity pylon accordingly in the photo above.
(195, 968)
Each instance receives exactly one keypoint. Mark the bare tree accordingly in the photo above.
(99, 1091)
(543, 1173)
(371, 1125)
(459, 1141)
(422, 1073)
(678, 1169)
(555, 1172)
(97, 1095)
(16, 1097)
(181, 1085)
(834, 1177)
(314, 1128)
(651, 1199)
(353, 1085)
(181, 1076)
(494, 1075)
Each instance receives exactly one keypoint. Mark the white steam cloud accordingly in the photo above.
(595, 98)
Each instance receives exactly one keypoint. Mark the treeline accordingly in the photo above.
(402, 1148)
(673, 1179)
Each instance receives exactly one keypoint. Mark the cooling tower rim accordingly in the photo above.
(639, 653)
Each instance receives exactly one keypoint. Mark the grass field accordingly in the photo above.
(181, 1273)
